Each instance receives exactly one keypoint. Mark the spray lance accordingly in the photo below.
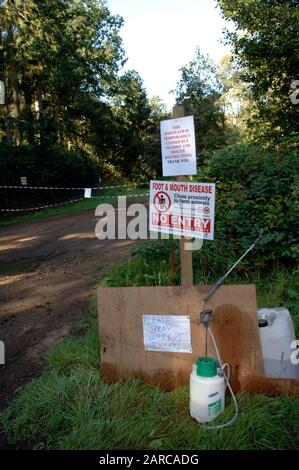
(203, 375)
(206, 315)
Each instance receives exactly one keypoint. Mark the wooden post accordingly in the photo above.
(185, 255)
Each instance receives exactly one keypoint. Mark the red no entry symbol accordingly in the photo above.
(162, 201)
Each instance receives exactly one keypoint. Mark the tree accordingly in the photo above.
(55, 54)
(152, 144)
(10, 72)
(265, 46)
(236, 97)
(199, 90)
(136, 145)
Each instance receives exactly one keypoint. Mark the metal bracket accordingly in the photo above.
(205, 317)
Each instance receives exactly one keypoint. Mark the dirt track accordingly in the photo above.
(48, 271)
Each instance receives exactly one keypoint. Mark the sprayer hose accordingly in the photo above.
(226, 377)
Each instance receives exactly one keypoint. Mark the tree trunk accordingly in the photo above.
(6, 106)
(7, 125)
(12, 76)
(40, 102)
(56, 119)
(16, 109)
(28, 107)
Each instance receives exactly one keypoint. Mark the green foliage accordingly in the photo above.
(59, 56)
(55, 166)
(155, 249)
(71, 407)
(236, 98)
(138, 272)
(200, 90)
(257, 189)
(265, 45)
(136, 136)
(72, 355)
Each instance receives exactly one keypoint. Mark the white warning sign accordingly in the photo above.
(185, 209)
(167, 333)
(178, 146)
(87, 192)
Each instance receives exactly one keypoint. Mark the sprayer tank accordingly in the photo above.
(206, 395)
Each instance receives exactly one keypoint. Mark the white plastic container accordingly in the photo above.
(206, 395)
(277, 335)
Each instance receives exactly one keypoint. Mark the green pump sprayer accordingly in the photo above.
(207, 384)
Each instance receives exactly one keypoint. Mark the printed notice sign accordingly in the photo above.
(24, 180)
(178, 146)
(167, 333)
(87, 192)
(185, 209)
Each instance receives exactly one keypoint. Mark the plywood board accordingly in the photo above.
(235, 326)
(257, 384)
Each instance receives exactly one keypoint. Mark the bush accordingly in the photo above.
(257, 189)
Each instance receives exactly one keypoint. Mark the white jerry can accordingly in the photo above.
(278, 343)
(207, 390)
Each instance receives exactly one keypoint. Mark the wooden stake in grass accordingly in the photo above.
(185, 255)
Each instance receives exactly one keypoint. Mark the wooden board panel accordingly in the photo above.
(257, 384)
(121, 332)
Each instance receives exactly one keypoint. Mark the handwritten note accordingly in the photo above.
(167, 333)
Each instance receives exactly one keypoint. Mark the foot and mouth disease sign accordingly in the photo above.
(185, 209)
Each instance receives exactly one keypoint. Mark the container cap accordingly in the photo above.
(263, 322)
(206, 366)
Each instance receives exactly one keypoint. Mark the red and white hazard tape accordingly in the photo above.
(69, 202)
(42, 187)
(41, 207)
(119, 195)
(63, 188)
